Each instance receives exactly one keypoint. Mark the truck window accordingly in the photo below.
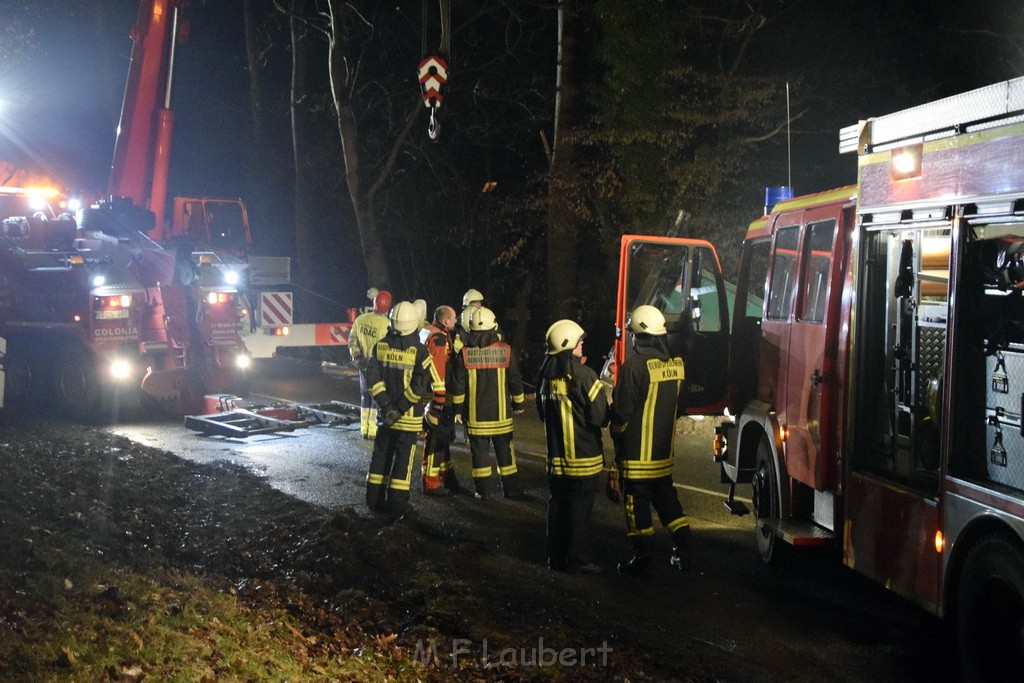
(817, 264)
(780, 294)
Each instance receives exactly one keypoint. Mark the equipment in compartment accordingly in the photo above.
(1005, 448)
(1004, 372)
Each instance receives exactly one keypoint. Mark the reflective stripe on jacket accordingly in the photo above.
(574, 408)
(402, 375)
(645, 403)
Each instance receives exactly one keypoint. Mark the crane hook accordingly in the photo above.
(434, 127)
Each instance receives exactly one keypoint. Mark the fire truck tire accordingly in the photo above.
(990, 610)
(75, 384)
(765, 496)
(21, 376)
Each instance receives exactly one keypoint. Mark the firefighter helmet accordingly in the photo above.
(482, 320)
(421, 308)
(647, 320)
(464, 317)
(404, 318)
(564, 335)
(382, 302)
(472, 295)
(371, 293)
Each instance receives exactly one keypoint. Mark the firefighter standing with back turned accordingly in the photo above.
(645, 402)
(438, 471)
(401, 376)
(367, 329)
(573, 406)
(486, 388)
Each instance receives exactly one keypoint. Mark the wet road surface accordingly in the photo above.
(814, 620)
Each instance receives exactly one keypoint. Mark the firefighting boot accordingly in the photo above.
(641, 559)
(681, 556)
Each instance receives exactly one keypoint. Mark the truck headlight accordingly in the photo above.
(242, 362)
(120, 369)
(231, 277)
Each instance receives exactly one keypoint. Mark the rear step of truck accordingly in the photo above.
(235, 417)
(797, 532)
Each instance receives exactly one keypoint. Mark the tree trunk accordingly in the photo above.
(303, 142)
(562, 222)
(362, 200)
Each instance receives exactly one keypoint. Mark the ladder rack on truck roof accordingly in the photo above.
(969, 112)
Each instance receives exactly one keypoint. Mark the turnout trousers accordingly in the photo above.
(569, 509)
(639, 496)
(367, 409)
(438, 469)
(504, 453)
(387, 482)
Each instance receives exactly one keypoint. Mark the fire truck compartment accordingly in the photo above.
(1004, 372)
(1005, 447)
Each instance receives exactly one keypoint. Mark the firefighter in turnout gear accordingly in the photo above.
(486, 388)
(472, 301)
(572, 404)
(367, 329)
(648, 396)
(402, 377)
(438, 470)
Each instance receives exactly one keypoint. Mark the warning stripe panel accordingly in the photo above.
(276, 308)
(327, 334)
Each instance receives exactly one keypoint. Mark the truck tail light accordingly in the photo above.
(114, 302)
(215, 298)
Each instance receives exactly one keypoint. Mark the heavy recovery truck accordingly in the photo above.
(214, 227)
(94, 321)
(875, 374)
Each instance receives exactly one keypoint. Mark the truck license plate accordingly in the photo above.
(112, 315)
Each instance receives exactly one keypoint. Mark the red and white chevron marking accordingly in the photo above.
(276, 308)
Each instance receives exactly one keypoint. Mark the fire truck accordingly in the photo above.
(216, 228)
(89, 325)
(875, 374)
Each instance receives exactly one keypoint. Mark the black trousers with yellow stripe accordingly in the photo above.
(639, 496)
(387, 482)
(504, 453)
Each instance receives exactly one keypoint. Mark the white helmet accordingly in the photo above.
(482, 319)
(472, 295)
(563, 335)
(404, 318)
(464, 317)
(371, 293)
(421, 308)
(647, 320)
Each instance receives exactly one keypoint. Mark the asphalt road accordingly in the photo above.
(814, 620)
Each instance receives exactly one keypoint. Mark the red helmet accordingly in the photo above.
(382, 302)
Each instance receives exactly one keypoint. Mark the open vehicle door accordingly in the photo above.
(683, 279)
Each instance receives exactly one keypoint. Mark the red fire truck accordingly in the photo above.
(876, 366)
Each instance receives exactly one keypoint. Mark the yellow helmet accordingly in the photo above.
(563, 335)
(647, 320)
(404, 318)
(421, 308)
(472, 295)
(464, 317)
(482, 320)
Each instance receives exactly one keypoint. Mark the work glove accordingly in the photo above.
(389, 415)
(613, 487)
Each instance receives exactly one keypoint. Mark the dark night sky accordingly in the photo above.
(60, 106)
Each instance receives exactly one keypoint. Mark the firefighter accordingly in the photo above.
(572, 404)
(402, 377)
(367, 329)
(486, 388)
(472, 301)
(438, 470)
(647, 398)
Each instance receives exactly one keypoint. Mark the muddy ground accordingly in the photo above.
(71, 495)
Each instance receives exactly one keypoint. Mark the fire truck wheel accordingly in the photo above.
(75, 389)
(765, 496)
(21, 375)
(990, 610)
